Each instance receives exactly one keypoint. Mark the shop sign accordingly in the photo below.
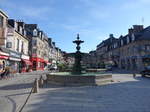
(24, 57)
(14, 54)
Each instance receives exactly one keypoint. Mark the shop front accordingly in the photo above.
(37, 63)
(15, 62)
(3, 60)
(26, 64)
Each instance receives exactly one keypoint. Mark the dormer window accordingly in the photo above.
(121, 42)
(20, 30)
(133, 37)
(34, 32)
(128, 40)
(25, 33)
(115, 45)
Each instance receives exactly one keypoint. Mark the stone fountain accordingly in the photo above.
(77, 69)
(76, 77)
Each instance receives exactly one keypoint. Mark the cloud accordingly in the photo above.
(22, 10)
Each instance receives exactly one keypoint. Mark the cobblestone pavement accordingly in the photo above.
(14, 91)
(125, 94)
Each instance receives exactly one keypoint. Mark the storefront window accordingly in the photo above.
(34, 64)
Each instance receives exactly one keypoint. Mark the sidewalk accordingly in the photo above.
(14, 91)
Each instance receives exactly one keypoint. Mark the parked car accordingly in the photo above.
(109, 67)
(146, 71)
(52, 68)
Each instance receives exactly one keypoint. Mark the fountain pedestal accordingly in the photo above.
(78, 80)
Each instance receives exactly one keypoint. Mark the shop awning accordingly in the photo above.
(14, 59)
(27, 62)
(3, 57)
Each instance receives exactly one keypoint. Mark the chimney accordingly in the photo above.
(130, 31)
(111, 36)
(137, 28)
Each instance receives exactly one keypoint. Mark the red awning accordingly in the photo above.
(27, 62)
(3, 57)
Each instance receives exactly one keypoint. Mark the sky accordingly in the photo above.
(94, 20)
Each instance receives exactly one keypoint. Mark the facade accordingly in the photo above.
(56, 55)
(4, 53)
(24, 46)
(131, 52)
(17, 43)
(38, 47)
(13, 45)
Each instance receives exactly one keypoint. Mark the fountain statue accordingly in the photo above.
(77, 68)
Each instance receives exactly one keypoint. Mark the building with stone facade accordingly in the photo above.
(38, 46)
(13, 44)
(17, 43)
(4, 53)
(56, 55)
(131, 52)
(25, 46)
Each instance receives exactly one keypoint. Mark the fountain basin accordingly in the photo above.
(78, 80)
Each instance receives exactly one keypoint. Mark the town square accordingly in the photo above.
(74, 56)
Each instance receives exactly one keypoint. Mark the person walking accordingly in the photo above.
(5, 73)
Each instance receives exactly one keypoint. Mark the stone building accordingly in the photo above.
(56, 55)
(17, 43)
(4, 53)
(131, 52)
(38, 46)
(134, 48)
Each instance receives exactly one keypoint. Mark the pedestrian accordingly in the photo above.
(5, 73)
(1, 70)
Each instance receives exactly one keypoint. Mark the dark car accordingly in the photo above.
(146, 71)
(109, 67)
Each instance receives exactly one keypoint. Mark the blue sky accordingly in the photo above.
(94, 20)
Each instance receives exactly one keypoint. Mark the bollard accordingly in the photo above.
(36, 86)
(41, 82)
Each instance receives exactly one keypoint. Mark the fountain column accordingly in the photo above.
(77, 65)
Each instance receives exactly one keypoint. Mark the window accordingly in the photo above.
(1, 21)
(147, 47)
(20, 29)
(17, 45)
(25, 33)
(9, 45)
(133, 37)
(34, 51)
(35, 32)
(128, 40)
(121, 42)
(22, 47)
(34, 42)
